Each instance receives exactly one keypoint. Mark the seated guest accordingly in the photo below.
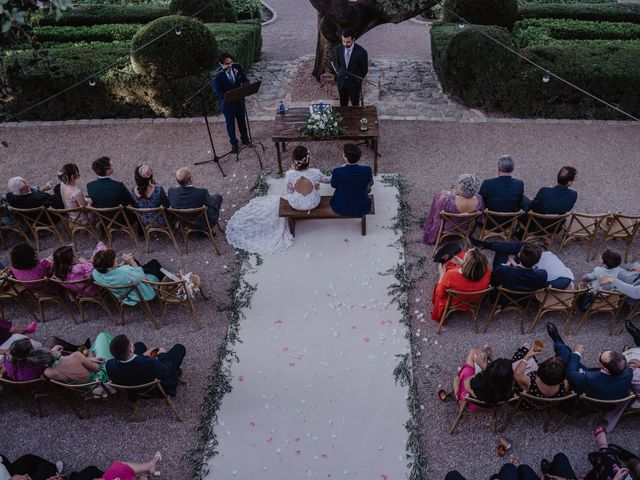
(466, 273)
(137, 365)
(503, 193)
(559, 469)
(146, 194)
(463, 198)
(110, 274)
(555, 200)
(610, 381)
(609, 267)
(633, 361)
(186, 196)
(493, 384)
(104, 191)
(352, 183)
(16, 365)
(72, 196)
(519, 275)
(69, 269)
(129, 471)
(25, 264)
(10, 333)
(627, 286)
(30, 467)
(21, 195)
(546, 380)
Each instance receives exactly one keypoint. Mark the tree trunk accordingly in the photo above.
(325, 52)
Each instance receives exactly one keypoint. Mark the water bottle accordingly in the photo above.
(281, 108)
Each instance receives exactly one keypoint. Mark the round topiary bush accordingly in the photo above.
(206, 10)
(172, 55)
(482, 12)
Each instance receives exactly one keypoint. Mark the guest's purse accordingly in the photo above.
(585, 300)
(447, 252)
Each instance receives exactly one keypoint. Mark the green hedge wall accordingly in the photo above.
(94, 33)
(119, 93)
(546, 31)
(612, 12)
(86, 15)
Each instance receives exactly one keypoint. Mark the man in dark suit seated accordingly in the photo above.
(520, 276)
(503, 193)
(351, 58)
(352, 183)
(136, 365)
(185, 195)
(104, 191)
(555, 200)
(610, 381)
(21, 195)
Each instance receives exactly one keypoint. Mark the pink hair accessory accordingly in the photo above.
(145, 171)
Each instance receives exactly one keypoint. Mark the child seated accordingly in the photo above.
(609, 267)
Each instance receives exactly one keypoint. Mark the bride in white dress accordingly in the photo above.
(257, 228)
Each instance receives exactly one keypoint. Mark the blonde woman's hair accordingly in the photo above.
(475, 265)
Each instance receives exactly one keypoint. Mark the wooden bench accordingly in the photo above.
(323, 210)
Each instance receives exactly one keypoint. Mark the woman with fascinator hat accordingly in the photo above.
(257, 228)
(146, 194)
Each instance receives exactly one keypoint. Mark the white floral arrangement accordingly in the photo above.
(323, 124)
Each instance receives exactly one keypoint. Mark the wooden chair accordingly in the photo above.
(195, 221)
(455, 225)
(79, 395)
(82, 291)
(618, 226)
(601, 407)
(25, 393)
(154, 220)
(605, 301)
(634, 311)
(494, 408)
(12, 225)
(582, 225)
(547, 406)
(543, 226)
(114, 220)
(76, 221)
(148, 391)
(42, 291)
(499, 225)
(37, 220)
(512, 300)
(13, 293)
(169, 293)
(558, 301)
(464, 302)
(123, 293)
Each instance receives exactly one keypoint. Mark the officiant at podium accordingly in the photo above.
(351, 58)
(227, 76)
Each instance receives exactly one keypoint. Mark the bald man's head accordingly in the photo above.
(183, 176)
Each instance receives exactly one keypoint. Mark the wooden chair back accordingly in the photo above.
(79, 394)
(114, 220)
(42, 291)
(455, 225)
(458, 301)
(530, 403)
(605, 301)
(543, 226)
(154, 220)
(512, 300)
(37, 220)
(12, 224)
(582, 225)
(559, 301)
(148, 391)
(194, 221)
(75, 221)
(499, 225)
(84, 291)
(123, 293)
(493, 408)
(618, 226)
(595, 405)
(12, 292)
(174, 293)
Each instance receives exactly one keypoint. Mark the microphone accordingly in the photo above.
(334, 68)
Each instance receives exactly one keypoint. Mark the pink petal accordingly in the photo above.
(297, 439)
(366, 339)
(285, 349)
(253, 424)
(323, 455)
(298, 452)
(354, 327)
(241, 378)
(292, 364)
(270, 440)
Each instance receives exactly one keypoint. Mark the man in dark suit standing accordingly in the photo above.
(556, 200)
(136, 365)
(104, 191)
(352, 183)
(185, 195)
(351, 58)
(226, 77)
(503, 193)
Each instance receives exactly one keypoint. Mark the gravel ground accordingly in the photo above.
(430, 155)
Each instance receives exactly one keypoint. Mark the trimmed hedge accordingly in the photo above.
(606, 12)
(207, 10)
(248, 9)
(94, 33)
(482, 12)
(546, 31)
(120, 92)
(86, 15)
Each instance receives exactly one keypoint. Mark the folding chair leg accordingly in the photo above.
(583, 319)
(492, 313)
(461, 412)
(204, 295)
(194, 314)
(442, 320)
(173, 408)
(535, 322)
(510, 415)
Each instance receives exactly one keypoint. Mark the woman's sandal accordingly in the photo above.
(156, 459)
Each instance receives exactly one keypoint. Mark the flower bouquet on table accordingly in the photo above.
(323, 123)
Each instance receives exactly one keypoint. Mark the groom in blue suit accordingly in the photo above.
(352, 183)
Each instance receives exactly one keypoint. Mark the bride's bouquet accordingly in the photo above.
(323, 124)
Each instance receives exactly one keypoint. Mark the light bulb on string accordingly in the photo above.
(546, 77)
(93, 81)
(178, 30)
(461, 24)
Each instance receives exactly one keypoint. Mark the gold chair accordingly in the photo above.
(154, 220)
(123, 296)
(37, 220)
(528, 403)
(464, 302)
(114, 220)
(13, 293)
(582, 225)
(175, 293)
(455, 225)
(499, 225)
(23, 393)
(11, 224)
(512, 300)
(148, 391)
(618, 226)
(84, 291)
(605, 301)
(195, 221)
(80, 395)
(558, 301)
(543, 226)
(494, 408)
(42, 291)
(601, 407)
(76, 221)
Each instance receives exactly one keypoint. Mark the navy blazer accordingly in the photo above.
(595, 383)
(554, 200)
(143, 369)
(358, 64)
(502, 194)
(351, 195)
(106, 193)
(221, 85)
(195, 197)
(518, 278)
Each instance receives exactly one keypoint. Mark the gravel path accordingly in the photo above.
(430, 155)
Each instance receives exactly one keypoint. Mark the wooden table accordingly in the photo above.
(286, 129)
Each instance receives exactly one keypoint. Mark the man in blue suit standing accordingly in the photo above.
(226, 77)
(503, 193)
(352, 183)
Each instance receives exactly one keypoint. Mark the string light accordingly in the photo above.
(546, 77)
(92, 82)
(461, 24)
(178, 30)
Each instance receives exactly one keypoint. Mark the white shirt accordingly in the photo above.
(554, 267)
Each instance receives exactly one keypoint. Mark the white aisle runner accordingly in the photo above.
(314, 393)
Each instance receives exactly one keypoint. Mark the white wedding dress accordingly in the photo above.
(257, 228)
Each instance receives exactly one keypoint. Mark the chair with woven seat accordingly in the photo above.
(555, 300)
(618, 226)
(149, 391)
(195, 221)
(455, 225)
(41, 292)
(499, 225)
(543, 226)
(512, 301)
(10, 224)
(114, 220)
(494, 408)
(175, 293)
(76, 221)
(36, 221)
(464, 302)
(605, 301)
(83, 291)
(121, 294)
(582, 225)
(79, 395)
(23, 393)
(529, 403)
(154, 221)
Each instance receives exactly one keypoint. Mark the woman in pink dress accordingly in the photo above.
(128, 471)
(26, 266)
(68, 269)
